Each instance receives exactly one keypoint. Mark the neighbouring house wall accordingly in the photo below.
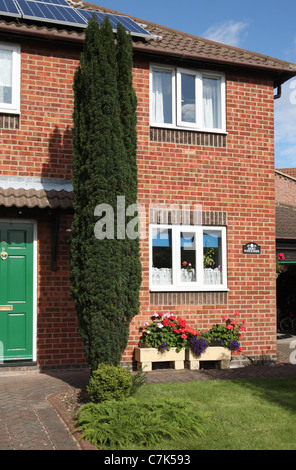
(285, 189)
(231, 177)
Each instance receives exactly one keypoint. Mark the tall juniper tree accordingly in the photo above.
(102, 171)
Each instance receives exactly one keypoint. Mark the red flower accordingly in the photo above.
(281, 256)
(183, 336)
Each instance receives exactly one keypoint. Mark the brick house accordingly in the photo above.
(206, 184)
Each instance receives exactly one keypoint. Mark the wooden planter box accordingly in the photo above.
(146, 356)
(215, 353)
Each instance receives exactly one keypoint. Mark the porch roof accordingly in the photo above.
(35, 192)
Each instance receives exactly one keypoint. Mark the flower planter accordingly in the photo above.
(215, 353)
(146, 356)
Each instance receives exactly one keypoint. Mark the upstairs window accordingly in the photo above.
(187, 99)
(9, 78)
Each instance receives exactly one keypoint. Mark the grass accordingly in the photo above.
(246, 414)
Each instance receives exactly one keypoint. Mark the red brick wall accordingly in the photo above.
(237, 179)
(58, 340)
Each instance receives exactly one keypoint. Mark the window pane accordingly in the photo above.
(162, 256)
(212, 256)
(188, 257)
(212, 103)
(162, 97)
(188, 97)
(5, 76)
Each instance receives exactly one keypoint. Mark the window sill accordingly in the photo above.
(188, 129)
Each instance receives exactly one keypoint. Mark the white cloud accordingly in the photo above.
(285, 126)
(230, 32)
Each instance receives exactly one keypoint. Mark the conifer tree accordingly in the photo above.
(128, 116)
(98, 277)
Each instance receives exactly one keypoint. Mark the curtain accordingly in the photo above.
(211, 103)
(5, 76)
(162, 97)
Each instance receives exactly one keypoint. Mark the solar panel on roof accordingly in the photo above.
(51, 13)
(61, 12)
(53, 2)
(9, 8)
(130, 25)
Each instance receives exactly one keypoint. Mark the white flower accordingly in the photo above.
(159, 325)
(167, 314)
(147, 331)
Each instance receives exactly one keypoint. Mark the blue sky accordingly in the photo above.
(264, 26)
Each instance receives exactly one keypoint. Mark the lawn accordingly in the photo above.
(246, 414)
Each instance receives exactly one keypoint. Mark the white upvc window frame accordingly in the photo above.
(177, 122)
(197, 285)
(14, 106)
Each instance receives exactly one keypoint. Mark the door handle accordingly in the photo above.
(6, 308)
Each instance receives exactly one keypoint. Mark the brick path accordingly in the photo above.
(27, 419)
(30, 421)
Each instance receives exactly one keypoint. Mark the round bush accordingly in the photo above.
(109, 383)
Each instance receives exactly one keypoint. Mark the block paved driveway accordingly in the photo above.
(27, 419)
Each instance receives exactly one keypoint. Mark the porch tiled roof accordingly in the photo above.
(35, 193)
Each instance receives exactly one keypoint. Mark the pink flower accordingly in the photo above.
(236, 314)
(234, 322)
(242, 328)
(229, 327)
(281, 256)
(223, 317)
(184, 263)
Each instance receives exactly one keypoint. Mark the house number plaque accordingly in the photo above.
(251, 249)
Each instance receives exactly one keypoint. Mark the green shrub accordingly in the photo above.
(109, 382)
(113, 424)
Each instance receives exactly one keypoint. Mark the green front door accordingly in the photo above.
(16, 291)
